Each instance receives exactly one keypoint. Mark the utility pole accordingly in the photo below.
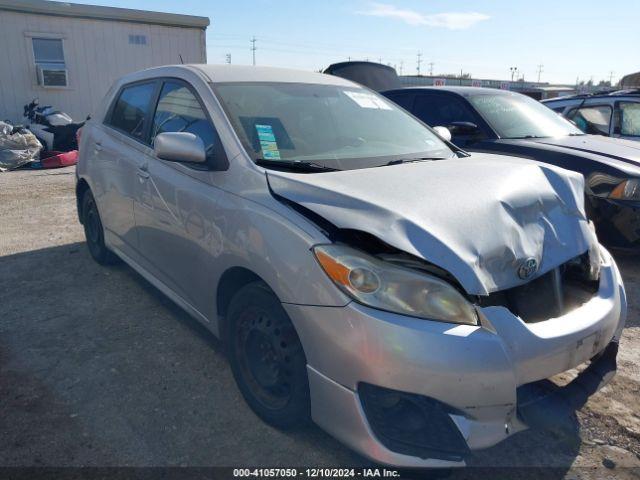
(540, 67)
(514, 71)
(253, 49)
(419, 62)
(611, 77)
(431, 69)
(228, 57)
(401, 65)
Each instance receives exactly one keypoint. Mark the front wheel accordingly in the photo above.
(266, 357)
(94, 232)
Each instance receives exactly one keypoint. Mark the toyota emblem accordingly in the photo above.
(528, 268)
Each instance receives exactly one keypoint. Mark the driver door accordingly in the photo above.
(175, 203)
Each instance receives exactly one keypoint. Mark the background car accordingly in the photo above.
(615, 114)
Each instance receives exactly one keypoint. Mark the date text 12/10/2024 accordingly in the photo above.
(315, 473)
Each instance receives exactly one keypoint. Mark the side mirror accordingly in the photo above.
(443, 132)
(463, 128)
(180, 147)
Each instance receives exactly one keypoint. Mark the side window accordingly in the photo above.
(630, 119)
(593, 119)
(441, 110)
(179, 110)
(131, 108)
(405, 100)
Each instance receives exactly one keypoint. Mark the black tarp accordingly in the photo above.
(375, 76)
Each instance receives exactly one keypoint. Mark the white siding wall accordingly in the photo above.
(96, 53)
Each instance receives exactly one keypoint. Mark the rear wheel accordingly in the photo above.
(266, 357)
(94, 232)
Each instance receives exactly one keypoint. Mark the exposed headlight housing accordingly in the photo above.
(389, 287)
(627, 190)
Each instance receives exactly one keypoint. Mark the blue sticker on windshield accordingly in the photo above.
(268, 142)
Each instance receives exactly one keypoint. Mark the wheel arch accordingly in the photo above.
(82, 186)
(231, 281)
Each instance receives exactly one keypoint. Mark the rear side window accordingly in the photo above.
(441, 110)
(179, 110)
(131, 108)
(630, 119)
(595, 120)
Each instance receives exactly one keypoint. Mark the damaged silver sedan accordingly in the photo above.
(405, 295)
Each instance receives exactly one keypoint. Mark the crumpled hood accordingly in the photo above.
(478, 218)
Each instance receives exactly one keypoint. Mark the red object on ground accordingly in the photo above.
(59, 159)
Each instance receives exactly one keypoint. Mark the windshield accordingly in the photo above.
(332, 126)
(519, 116)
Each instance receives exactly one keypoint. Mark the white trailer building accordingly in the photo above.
(68, 55)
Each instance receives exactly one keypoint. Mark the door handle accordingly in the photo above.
(97, 147)
(143, 171)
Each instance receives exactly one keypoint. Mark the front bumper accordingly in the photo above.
(477, 371)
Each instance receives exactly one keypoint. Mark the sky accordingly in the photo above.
(588, 39)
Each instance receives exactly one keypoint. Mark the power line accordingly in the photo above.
(253, 49)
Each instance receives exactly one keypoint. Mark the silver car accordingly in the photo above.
(363, 272)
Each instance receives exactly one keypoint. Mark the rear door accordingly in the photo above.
(119, 148)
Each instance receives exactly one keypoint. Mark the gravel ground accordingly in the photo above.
(97, 368)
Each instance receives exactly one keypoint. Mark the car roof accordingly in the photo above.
(238, 73)
(633, 93)
(250, 73)
(463, 91)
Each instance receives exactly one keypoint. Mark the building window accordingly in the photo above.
(138, 39)
(49, 56)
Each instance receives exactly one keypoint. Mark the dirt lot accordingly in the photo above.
(97, 368)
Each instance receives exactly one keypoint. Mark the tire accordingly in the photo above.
(267, 358)
(94, 232)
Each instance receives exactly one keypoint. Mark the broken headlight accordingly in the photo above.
(385, 286)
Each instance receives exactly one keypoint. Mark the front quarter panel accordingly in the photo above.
(269, 241)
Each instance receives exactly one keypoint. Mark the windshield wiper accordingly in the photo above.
(413, 160)
(297, 165)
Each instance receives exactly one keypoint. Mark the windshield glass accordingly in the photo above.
(519, 116)
(333, 126)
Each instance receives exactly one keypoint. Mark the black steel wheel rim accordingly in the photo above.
(264, 358)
